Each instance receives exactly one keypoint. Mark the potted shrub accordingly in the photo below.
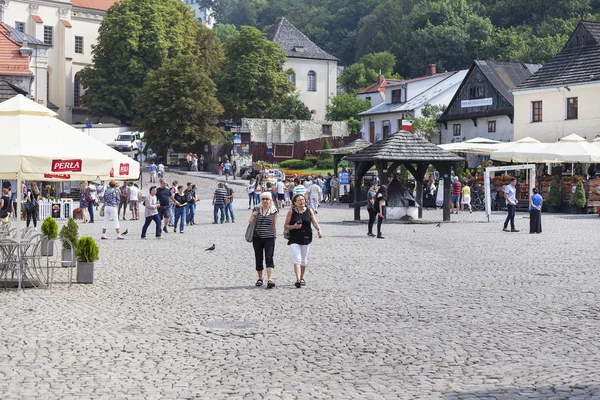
(578, 202)
(69, 234)
(86, 253)
(49, 233)
(554, 201)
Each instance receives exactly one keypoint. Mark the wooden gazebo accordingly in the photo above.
(350, 148)
(412, 151)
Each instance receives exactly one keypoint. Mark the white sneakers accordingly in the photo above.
(119, 237)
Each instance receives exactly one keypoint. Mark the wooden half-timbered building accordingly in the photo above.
(483, 106)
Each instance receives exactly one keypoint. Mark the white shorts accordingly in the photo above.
(314, 203)
(110, 214)
(466, 199)
(300, 253)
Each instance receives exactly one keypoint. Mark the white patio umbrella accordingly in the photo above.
(35, 145)
(573, 149)
(476, 145)
(521, 151)
(596, 141)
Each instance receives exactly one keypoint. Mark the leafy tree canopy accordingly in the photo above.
(291, 108)
(426, 125)
(346, 107)
(177, 104)
(252, 80)
(225, 31)
(365, 72)
(135, 36)
(449, 33)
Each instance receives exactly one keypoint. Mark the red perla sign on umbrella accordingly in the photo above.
(66, 165)
(123, 169)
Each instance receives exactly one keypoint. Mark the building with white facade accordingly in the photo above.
(406, 99)
(203, 14)
(483, 104)
(68, 28)
(315, 71)
(375, 92)
(563, 96)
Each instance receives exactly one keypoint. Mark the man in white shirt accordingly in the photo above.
(161, 170)
(510, 195)
(280, 193)
(314, 193)
(134, 198)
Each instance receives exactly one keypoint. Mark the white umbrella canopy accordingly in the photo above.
(476, 145)
(573, 149)
(596, 141)
(522, 151)
(35, 145)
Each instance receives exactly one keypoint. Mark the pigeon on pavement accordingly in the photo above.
(211, 248)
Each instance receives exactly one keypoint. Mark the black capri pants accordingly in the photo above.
(266, 246)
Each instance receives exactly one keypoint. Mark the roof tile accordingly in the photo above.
(11, 60)
(295, 43)
(404, 146)
(37, 18)
(94, 4)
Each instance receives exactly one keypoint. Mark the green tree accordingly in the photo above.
(346, 107)
(225, 31)
(135, 37)
(177, 104)
(326, 146)
(426, 125)
(253, 79)
(291, 108)
(363, 73)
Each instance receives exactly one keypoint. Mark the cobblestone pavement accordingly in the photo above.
(459, 311)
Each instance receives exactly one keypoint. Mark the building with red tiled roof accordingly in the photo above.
(376, 91)
(94, 4)
(15, 74)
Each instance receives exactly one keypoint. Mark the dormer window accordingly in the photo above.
(299, 49)
(396, 96)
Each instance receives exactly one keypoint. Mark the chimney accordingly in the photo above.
(430, 70)
(380, 79)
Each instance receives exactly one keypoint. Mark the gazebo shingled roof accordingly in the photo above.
(412, 151)
(348, 148)
(404, 146)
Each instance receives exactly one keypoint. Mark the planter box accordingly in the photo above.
(85, 272)
(552, 209)
(572, 210)
(68, 258)
(47, 247)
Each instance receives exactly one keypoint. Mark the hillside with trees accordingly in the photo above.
(449, 33)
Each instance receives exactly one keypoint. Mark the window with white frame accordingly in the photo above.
(48, 35)
(79, 44)
(311, 84)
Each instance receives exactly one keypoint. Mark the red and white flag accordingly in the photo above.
(407, 125)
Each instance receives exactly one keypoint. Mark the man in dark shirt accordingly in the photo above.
(219, 203)
(190, 198)
(164, 195)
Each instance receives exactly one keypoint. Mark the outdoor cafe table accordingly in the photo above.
(18, 256)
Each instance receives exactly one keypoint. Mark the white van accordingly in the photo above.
(127, 141)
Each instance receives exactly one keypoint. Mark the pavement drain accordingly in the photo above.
(224, 324)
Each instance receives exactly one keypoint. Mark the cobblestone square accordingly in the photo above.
(459, 311)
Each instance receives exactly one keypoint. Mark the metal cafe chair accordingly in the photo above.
(56, 263)
(9, 261)
(31, 260)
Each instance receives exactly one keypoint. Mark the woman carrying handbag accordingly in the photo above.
(263, 238)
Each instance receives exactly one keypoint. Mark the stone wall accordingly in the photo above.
(290, 131)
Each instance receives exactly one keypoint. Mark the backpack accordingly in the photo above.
(189, 196)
